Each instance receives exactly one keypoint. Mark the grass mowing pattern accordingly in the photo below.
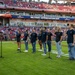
(15, 63)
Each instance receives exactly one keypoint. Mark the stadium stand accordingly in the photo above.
(37, 5)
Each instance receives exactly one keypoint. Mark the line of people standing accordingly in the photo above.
(45, 37)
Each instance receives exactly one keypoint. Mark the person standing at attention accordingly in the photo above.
(58, 40)
(71, 41)
(39, 40)
(44, 40)
(18, 38)
(33, 39)
(26, 40)
(49, 39)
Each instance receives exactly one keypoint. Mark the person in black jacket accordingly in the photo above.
(71, 41)
(33, 39)
(18, 38)
(44, 40)
(49, 39)
(26, 40)
(58, 40)
(39, 39)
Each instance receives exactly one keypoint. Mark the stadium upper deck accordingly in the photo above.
(37, 5)
(36, 10)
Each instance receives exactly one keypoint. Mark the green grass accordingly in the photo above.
(15, 63)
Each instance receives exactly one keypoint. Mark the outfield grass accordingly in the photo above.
(15, 63)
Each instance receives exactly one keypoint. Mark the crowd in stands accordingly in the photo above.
(9, 32)
(37, 5)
